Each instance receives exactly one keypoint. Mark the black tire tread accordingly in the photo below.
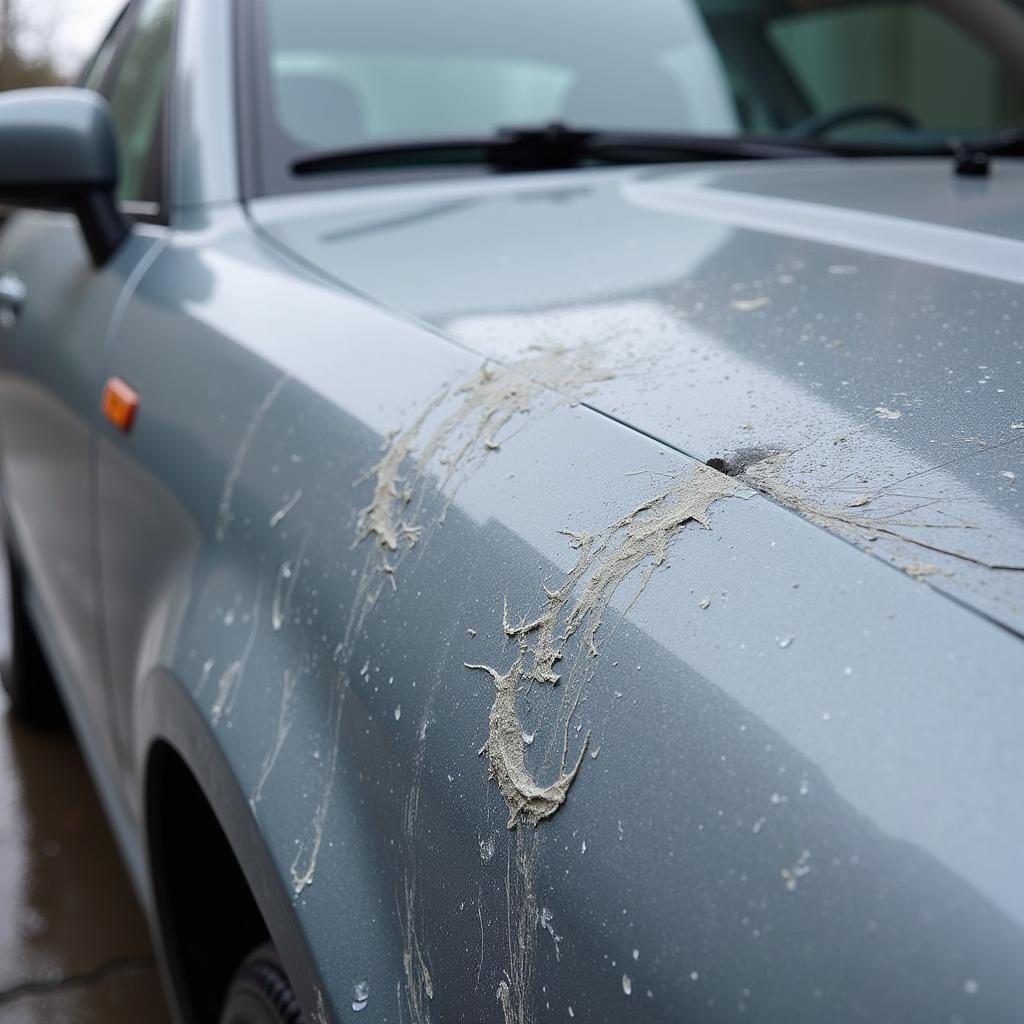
(25, 674)
(262, 980)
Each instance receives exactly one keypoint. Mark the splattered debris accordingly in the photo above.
(280, 514)
(573, 614)
(749, 305)
(792, 875)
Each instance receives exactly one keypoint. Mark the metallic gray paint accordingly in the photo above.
(801, 322)
(881, 748)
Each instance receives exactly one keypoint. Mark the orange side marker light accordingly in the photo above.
(119, 403)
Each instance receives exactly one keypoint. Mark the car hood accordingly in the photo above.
(847, 336)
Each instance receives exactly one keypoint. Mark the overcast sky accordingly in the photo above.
(69, 29)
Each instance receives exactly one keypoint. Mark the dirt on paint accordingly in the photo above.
(636, 544)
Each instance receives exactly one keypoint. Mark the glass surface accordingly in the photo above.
(136, 97)
(337, 75)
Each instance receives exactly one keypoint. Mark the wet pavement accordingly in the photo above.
(74, 945)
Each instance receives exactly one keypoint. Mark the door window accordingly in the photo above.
(136, 97)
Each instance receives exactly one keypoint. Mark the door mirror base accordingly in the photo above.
(103, 225)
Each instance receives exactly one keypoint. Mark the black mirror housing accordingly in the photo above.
(58, 150)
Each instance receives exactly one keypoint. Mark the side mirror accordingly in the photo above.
(58, 150)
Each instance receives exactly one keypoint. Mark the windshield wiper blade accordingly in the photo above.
(551, 147)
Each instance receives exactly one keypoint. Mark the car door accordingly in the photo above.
(57, 310)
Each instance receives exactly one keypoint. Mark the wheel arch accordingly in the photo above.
(215, 892)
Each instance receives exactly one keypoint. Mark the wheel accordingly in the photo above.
(260, 992)
(25, 674)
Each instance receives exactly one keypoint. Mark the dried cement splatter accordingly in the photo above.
(791, 876)
(419, 983)
(749, 305)
(227, 685)
(461, 425)
(280, 514)
(507, 758)
(484, 406)
(635, 544)
(287, 578)
(764, 475)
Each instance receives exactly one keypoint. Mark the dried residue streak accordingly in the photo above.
(573, 615)
(283, 727)
(227, 685)
(484, 406)
(461, 426)
(568, 629)
(764, 474)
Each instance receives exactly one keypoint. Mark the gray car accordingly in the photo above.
(521, 504)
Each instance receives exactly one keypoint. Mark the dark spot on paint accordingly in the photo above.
(738, 461)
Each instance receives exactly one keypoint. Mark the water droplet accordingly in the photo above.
(583, 848)
(360, 995)
(784, 641)
(971, 987)
(487, 848)
(694, 975)
(398, 712)
(636, 954)
(627, 984)
(571, 1014)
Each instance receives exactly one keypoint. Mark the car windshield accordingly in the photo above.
(336, 75)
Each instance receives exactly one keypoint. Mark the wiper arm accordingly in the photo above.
(553, 147)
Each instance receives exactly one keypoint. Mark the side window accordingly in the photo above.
(96, 72)
(136, 97)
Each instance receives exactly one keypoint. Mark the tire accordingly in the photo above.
(24, 672)
(260, 992)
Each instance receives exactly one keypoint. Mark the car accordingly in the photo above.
(522, 506)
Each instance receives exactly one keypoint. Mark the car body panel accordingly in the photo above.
(798, 796)
(53, 361)
(809, 707)
(857, 343)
